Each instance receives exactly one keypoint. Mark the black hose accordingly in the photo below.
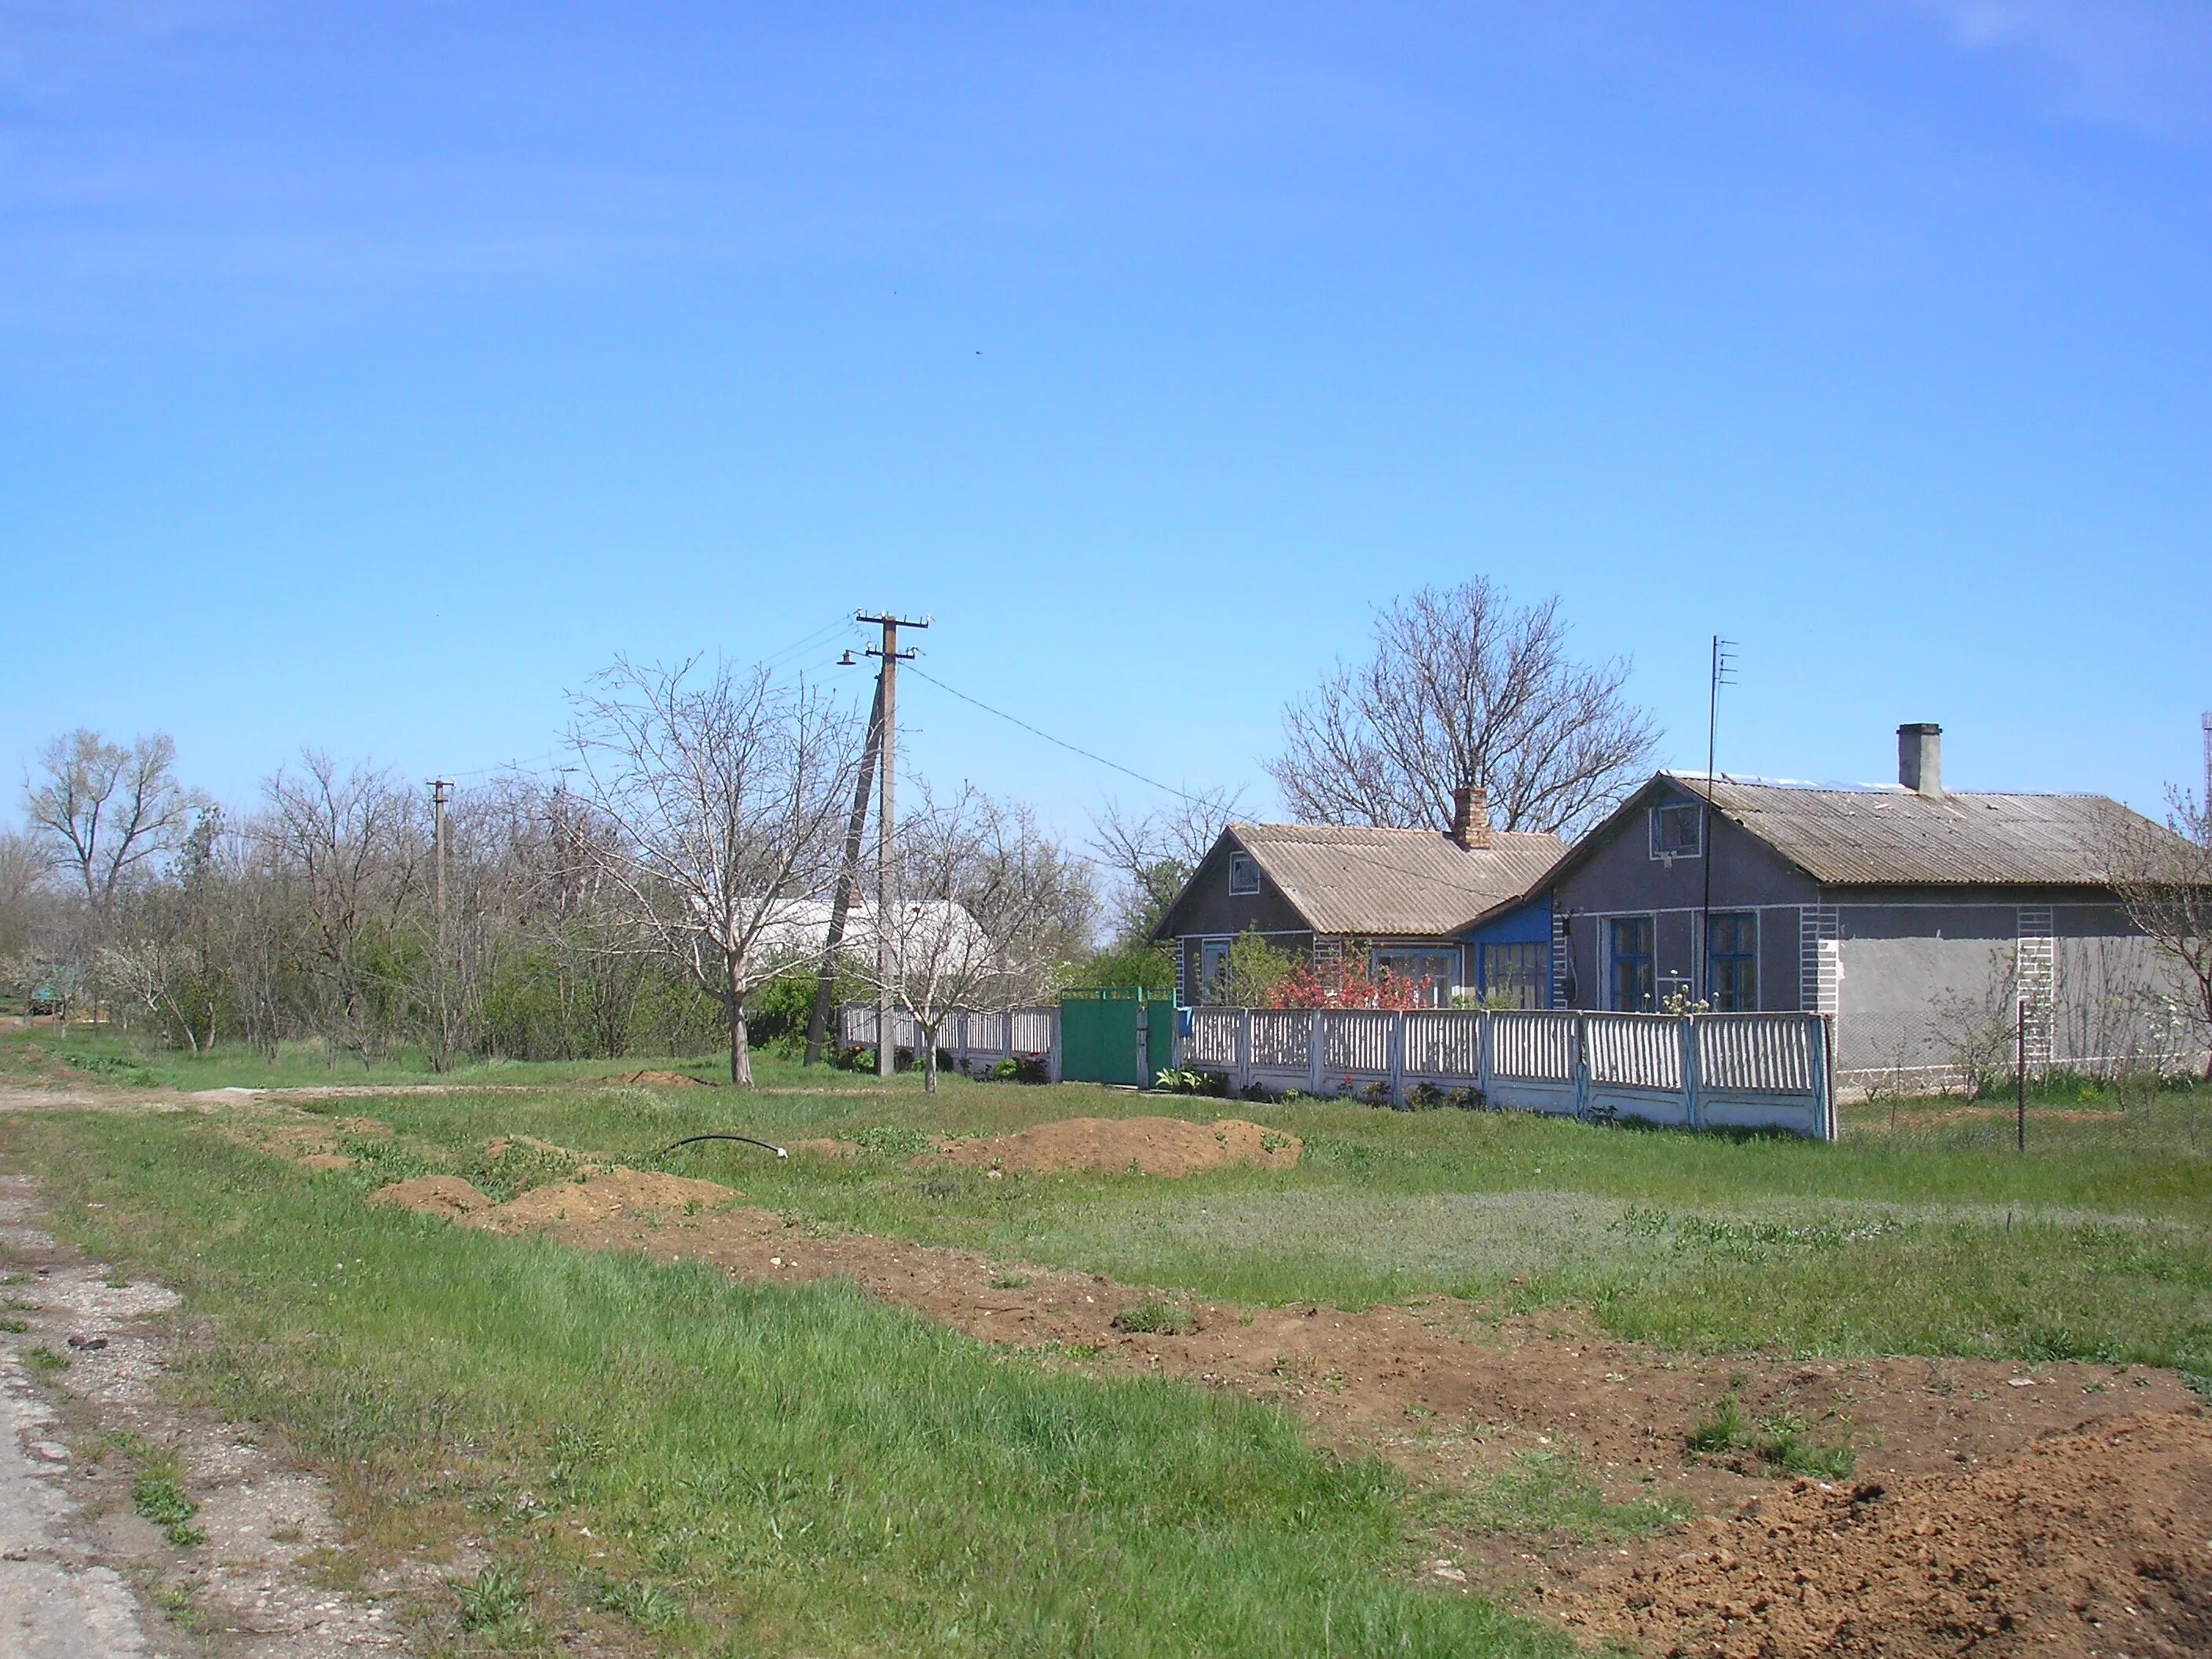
(689, 1140)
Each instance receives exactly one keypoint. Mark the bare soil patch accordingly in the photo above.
(310, 1142)
(2098, 1541)
(658, 1080)
(1150, 1146)
(441, 1196)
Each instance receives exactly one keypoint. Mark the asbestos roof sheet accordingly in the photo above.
(1897, 836)
(1377, 883)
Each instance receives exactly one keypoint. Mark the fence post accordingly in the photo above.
(1243, 1049)
(1582, 1066)
(1398, 1058)
(1052, 1058)
(1822, 1034)
(1313, 1053)
(1692, 1108)
(1485, 1055)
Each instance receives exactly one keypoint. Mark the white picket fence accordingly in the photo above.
(1700, 1071)
(971, 1038)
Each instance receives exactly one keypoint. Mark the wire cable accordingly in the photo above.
(1072, 749)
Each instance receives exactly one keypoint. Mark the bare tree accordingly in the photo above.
(106, 809)
(989, 908)
(723, 794)
(352, 842)
(2163, 875)
(1152, 854)
(26, 903)
(1465, 688)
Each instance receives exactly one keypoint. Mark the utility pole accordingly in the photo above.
(890, 656)
(441, 791)
(848, 883)
(1723, 666)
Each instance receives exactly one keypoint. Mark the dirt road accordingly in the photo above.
(84, 1574)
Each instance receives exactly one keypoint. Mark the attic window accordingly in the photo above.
(1675, 831)
(1244, 873)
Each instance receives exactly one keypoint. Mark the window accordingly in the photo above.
(1634, 986)
(1422, 961)
(1732, 962)
(1674, 830)
(1244, 873)
(1513, 976)
(1212, 969)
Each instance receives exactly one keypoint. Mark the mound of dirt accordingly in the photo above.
(2094, 1541)
(609, 1193)
(1151, 1146)
(658, 1080)
(499, 1146)
(443, 1195)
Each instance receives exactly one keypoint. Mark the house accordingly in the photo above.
(1917, 916)
(1403, 899)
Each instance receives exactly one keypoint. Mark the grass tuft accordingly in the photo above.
(1155, 1319)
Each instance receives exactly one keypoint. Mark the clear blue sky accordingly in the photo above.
(369, 374)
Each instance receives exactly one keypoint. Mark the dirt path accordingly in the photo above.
(84, 1573)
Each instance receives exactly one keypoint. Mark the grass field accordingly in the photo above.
(802, 1471)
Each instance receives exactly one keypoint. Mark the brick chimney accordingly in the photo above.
(1471, 816)
(1920, 758)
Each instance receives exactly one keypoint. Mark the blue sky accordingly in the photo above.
(370, 374)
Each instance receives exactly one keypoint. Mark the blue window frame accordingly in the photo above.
(1244, 873)
(1634, 982)
(1516, 976)
(1732, 962)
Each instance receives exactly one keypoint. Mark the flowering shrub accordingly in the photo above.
(1340, 985)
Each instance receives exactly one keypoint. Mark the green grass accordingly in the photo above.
(773, 1470)
(1549, 1492)
(1156, 1319)
(1935, 1239)
(1782, 1443)
(2092, 1249)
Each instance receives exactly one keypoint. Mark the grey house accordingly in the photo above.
(1400, 898)
(1914, 916)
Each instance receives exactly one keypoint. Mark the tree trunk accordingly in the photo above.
(741, 1059)
(926, 1037)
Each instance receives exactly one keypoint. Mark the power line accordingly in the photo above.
(1072, 749)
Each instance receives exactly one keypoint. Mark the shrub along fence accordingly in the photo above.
(970, 1039)
(1700, 1071)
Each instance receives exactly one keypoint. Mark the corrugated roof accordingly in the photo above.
(1346, 879)
(1897, 836)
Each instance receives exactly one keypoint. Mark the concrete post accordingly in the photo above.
(1398, 1059)
(1313, 1051)
(1692, 1108)
(1243, 1049)
(1581, 1067)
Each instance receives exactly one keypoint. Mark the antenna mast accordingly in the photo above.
(1723, 673)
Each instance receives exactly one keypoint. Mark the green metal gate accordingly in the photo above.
(1113, 1035)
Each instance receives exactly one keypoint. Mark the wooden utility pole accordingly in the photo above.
(890, 656)
(848, 883)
